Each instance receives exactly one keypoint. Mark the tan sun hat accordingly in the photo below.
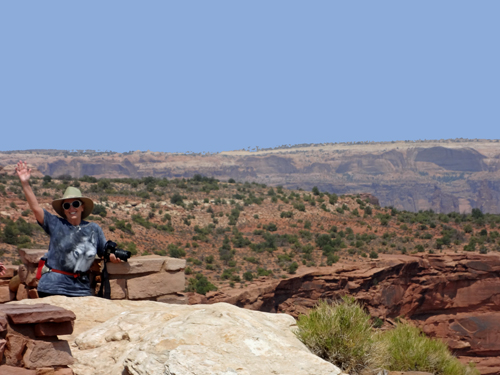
(73, 193)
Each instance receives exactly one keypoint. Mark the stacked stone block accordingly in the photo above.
(28, 340)
(24, 286)
(6, 294)
(149, 277)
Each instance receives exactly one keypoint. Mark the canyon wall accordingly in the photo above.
(443, 176)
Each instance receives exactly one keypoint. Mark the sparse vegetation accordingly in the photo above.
(342, 333)
(228, 223)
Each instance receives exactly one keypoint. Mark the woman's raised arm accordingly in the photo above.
(24, 175)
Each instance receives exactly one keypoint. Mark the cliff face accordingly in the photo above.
(438, 175)
(455, 297)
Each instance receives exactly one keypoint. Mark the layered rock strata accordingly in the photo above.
(455, 297)
(29, 342)
(440, 175)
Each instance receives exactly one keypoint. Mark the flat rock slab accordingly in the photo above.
(10, 272)
(146, 337)
(39, 313)
(175, 264)
(145, 264)
(11, 370)
(31, 255)
(53, 329)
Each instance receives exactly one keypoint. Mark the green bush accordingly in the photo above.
(292, 268)
(99, 210)
(340, 333)
(200, 284)
(175, 251)
(408, 349)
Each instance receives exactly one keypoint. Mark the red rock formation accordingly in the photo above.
(455, 297)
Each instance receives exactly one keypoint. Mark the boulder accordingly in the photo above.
(146, 337)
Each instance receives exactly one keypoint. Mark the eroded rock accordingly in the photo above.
(146, 337)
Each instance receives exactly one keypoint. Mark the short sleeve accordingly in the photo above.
(49, 222)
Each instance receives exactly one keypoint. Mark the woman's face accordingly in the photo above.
(73, 213)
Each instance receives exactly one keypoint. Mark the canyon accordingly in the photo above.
(442, 175)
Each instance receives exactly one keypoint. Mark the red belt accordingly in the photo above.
(75, 275)
(41, 265)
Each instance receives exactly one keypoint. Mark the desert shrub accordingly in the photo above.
(292, 268)
(175, 251)
(408, 349)
(332, 258)
(177, 199)
(200, 284)
(271, 227)
(132, 248)
(99, 210)
(124, 226)
(341, 333)
(263, 272)
(299, 206)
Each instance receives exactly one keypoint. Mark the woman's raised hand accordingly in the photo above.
(22, 171)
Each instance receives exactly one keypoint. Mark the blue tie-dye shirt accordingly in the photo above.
(72, 249)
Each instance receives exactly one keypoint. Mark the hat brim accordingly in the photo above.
(88, 206)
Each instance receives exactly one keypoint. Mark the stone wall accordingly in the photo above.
(28, 340)
(151, 277)
(6, 281)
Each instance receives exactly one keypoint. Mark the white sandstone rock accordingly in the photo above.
(145, 337)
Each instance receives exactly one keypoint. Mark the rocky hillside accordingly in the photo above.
(233, 232)
(445, 176)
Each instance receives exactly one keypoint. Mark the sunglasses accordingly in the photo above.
(75, 204)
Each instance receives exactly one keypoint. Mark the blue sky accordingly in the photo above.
(225, 75)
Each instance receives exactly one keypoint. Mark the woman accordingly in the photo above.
(74, 242)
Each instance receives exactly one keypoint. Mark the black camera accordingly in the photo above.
(110, 248)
